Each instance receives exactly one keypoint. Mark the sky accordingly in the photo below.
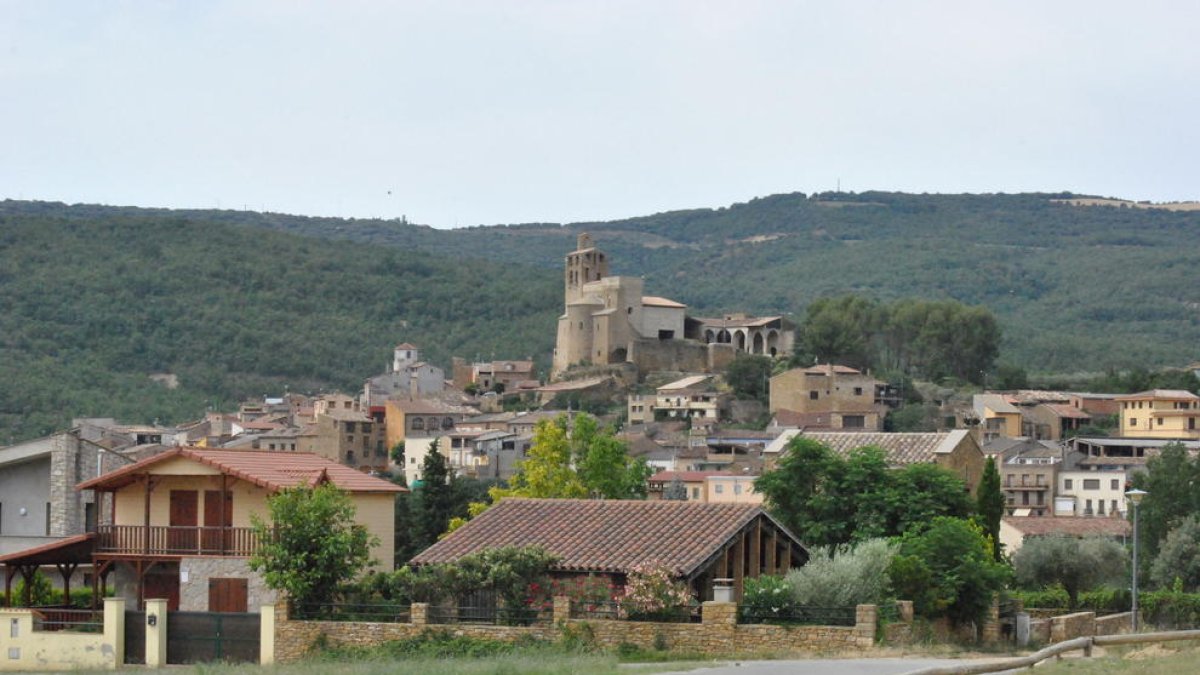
(467, 113)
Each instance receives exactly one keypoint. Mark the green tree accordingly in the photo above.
(948, 570)
(1179, 557)
(1076, 564)
(841, 330)
(311, 543)
(829, 501)
(436, 501)
(749, 376)
(547, 470)
(603, 464)
(989, 504)
(1171, 481)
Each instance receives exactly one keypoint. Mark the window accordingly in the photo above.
(854, 421)
(1100, 506)
(1068, 484)
(737, 488)
(47, 519)
(1091, 483)
(1087, 510)
(695, 493)
(1024, 499)
(1041, 479)
(718, 488)
(349, 427)
(1041, 497)
(1160, 421)
(812, 395)
(858, 391)
(418, 423)
(349, 455)
(1115, 484)
(1133, 421)
(1113, 506)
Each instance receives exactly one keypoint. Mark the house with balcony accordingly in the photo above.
(1028, 473)
(851, 399)
(180, 525)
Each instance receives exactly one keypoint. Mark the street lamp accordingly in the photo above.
(1135, 497)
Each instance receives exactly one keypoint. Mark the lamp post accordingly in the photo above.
(1135, 497)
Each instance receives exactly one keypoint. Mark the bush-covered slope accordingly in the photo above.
(94, 301)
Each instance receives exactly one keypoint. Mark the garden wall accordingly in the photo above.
(719, 632)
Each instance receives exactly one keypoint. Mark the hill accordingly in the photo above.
(94, 300)
(1076, 286)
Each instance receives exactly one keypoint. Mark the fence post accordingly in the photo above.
(156, 633)
(419, 614)
(990, 634)
(114, 629)
(866, 618)
(266, 637)
(562, 609)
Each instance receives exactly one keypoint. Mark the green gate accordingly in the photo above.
(202, 637)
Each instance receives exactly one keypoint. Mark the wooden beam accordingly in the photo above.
(787, 556)
(145, 523)
(739, 564)
(772, 544)
(756, 549)
(723, 564)
(224, 492)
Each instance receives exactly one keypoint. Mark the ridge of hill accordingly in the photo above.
(95, 299)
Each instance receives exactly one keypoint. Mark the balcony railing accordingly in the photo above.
(170, 540)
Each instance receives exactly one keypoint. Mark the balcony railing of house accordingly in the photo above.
(174, 540)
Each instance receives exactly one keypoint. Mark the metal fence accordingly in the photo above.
(623, 612)
(353, 611)
(69, 619)
(813, 616)
(496, 616)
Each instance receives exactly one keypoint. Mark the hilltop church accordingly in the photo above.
(607, 320)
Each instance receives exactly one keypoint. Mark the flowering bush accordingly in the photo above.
(588, 593)
(768, 596)
(652, 591)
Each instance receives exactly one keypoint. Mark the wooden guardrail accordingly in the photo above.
(1083, 643)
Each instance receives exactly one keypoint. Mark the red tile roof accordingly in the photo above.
(270, 470)
(686, 476)
(592, 535)
(1073, 526)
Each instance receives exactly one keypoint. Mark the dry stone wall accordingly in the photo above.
(719, 633)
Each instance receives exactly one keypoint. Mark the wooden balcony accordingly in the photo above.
(161, 540)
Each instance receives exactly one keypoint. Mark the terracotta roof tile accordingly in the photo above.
(601, 535)
(1048, 526)
(271, 470)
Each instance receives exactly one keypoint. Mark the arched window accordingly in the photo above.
(447, 422)
(418, 423)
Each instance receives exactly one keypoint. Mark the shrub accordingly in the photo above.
(844, 576)
(1179, 557)
(1171, 609)
(768, 596)
(947, 569)
(652, 591)
(1076, 564)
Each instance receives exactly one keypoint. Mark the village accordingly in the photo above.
(151, 519)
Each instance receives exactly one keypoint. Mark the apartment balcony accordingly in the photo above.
(161, 540)
(1026, 488)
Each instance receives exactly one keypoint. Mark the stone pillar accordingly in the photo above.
(419, 614)
(990, 633)
(905, 609)
(562, 609)
(719, 613)
(266, 636)
(114, 629)
(866, 618)
(156, 633)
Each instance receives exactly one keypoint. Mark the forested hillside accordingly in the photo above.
(1075, 287)
(93, 301)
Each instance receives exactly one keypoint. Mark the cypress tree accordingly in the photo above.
(989, 504)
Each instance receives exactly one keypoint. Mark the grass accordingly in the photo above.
(1178, 658)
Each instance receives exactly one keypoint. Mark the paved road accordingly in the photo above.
(892, 666)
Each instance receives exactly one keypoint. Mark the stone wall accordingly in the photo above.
(1070, 626)
(193, 595)
(719, 633)
(675, 355)
(1114, 624)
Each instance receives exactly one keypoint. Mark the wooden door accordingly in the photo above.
(227, 595)
(162, 586)
(181, 537)
(217, 516)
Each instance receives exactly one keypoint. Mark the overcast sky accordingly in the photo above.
(466, 113)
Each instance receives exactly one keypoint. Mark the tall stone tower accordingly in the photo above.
(585, 264)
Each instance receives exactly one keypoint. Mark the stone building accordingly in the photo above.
(609, 320)
(407, 376)
(850, 398)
